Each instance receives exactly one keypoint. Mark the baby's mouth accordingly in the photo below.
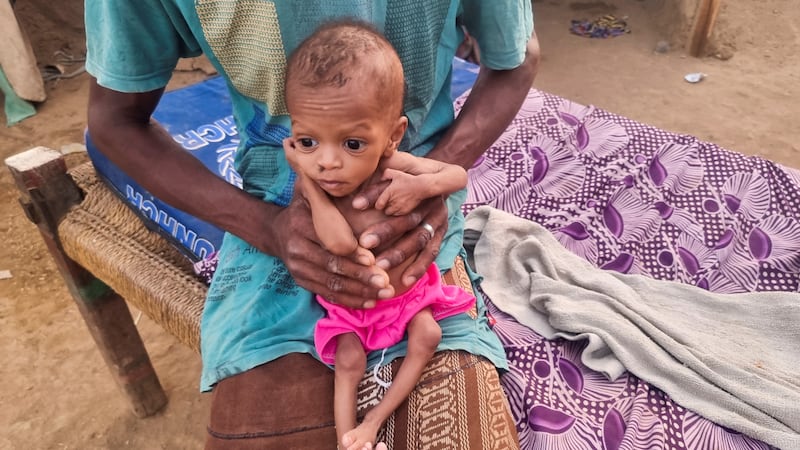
(330, 184)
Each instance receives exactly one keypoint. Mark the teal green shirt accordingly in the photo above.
(255, 312)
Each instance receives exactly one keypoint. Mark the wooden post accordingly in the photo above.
(17, 58)
(704, 21)
(46, 194)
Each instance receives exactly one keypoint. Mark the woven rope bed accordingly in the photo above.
(103, 235)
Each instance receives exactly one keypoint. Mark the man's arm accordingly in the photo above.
(120, 125)
(492, 104)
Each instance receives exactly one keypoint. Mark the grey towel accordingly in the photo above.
(732, 358)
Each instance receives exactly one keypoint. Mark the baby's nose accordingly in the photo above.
(329, 158)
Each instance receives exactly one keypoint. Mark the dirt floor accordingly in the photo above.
(57, 392)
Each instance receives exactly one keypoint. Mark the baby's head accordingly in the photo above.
(344, 92)
(348, 52)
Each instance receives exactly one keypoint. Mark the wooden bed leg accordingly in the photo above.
(704, 21)
(46, 194)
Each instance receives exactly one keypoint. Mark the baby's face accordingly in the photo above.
(340, 134)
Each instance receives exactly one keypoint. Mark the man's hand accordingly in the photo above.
(408, 237)
(338, 279)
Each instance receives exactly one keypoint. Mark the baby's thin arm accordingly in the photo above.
(414, 179)
(330, 225)
(434, 177)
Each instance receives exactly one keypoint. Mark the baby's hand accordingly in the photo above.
(366, 258)
(402, 195)
(363, 256)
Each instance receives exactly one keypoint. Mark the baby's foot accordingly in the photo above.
(362, 437)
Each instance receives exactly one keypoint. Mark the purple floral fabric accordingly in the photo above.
(636, 199)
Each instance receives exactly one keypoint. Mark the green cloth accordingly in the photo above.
(17, 108)
(731, 358)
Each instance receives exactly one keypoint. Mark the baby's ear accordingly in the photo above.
(289, 151)
(399, 129)
(391, 149)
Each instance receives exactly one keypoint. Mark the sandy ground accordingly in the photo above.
(56, 391)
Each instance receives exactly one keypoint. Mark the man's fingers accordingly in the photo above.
(426, 256)
(429, 236)
(343, 266)
(367, 198)
(341, 298)
(420, 242)
(343, 280)
(388, 229)
(317, 270)
(342, 290)
(410, 244)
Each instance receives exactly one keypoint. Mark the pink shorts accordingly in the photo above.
(385, 325)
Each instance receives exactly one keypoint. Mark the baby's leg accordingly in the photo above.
(349, 367)
(424, 335)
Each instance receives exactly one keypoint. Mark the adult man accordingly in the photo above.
(269, 318)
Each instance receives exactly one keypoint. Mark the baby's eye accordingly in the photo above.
(354, 144)
(307, 142)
